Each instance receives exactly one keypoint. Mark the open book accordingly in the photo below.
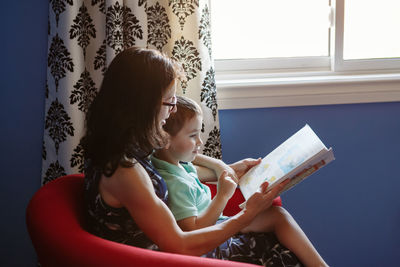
(296, 158)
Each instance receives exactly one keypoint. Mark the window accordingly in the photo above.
(272, 30)
(260, 45)
(268, 29)
(371, 29)
(367, 35)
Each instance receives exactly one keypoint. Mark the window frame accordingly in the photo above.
(276, 82)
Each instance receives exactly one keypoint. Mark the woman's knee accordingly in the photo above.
(274, 216)
(280, 214)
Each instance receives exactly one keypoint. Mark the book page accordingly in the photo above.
(291, 154)
(303, 171)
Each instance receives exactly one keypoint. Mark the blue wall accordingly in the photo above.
(350, 209)
(351, 222)
(23, 49)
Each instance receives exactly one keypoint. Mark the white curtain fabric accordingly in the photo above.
(83, 38)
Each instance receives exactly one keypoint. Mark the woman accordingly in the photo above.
(126, 198)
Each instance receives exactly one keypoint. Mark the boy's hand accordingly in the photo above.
(226, 186)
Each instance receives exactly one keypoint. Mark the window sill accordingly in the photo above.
(238, 91)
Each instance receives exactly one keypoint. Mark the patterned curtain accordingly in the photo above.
(83, 38)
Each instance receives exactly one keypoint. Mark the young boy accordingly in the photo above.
(190, 200)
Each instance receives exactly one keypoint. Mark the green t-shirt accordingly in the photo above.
(187, 196)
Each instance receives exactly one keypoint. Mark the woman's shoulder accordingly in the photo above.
(123, 181)
(131, 176)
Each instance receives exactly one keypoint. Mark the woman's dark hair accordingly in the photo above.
(123, 117)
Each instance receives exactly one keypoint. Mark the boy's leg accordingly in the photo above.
(288, 232)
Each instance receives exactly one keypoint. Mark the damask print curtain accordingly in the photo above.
(83, 38)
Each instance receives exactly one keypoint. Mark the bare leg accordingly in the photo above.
(289, 234)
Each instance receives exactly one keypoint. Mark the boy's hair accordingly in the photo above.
(186, 109)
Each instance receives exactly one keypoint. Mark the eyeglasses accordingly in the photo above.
(172, 104)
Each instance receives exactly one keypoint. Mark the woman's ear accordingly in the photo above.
(168, 143)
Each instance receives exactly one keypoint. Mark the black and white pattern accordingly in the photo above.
(58, 124)
(77, 159)
(83, 28)
(102, 5)
(212, 146)
(58, 7)
(205, 29)
(84, 92)
(208, 93)
(122, 27)
(54, 171)
(100, 59)
(159, 30)
(185, 52)
(85, 35)
(183, 9)
(59, 60)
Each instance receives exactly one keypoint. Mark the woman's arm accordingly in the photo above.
(133, 188)
(205, 174)
(209, 169)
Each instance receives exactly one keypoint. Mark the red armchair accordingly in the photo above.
(55, 219)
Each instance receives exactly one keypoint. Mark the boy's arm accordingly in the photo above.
(226, 187)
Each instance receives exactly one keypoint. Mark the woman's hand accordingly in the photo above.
(242, 166)
(238, 169)
(226, 186)
(262, 199)
(223, 167)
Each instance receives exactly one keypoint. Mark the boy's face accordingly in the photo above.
(185, 145)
